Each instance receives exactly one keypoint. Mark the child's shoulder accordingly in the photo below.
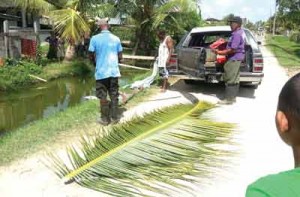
(287, 182)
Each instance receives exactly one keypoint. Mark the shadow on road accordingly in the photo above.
(211, 89)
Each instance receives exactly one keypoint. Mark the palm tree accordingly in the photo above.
(71, 17)
(148, 15)
(159, 153)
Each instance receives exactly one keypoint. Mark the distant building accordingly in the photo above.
(17, 25)
(212, 20)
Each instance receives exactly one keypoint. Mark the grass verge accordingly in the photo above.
(57, 130)
(286, 51)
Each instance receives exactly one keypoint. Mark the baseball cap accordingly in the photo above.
(236, 19)
(101, 21)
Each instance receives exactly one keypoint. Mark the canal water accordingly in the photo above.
(20, 108)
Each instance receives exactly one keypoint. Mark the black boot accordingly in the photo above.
(104, 119)
(114, 111)
(231, 91)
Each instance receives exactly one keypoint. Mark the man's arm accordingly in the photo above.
(234, 45)
(225, 52)
(170, 46)
(120, 56)
(92, 58)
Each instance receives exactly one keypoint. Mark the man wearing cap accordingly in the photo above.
(235, 52)
(106, 50)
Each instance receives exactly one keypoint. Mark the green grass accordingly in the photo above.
(39, 135)
(286, 51)
(56, 130)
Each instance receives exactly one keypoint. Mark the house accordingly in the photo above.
(212, 20)
(17, 25)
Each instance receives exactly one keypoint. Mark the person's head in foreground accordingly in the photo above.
(287, 120)
(288, 114)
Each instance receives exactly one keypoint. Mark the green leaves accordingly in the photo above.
(156, 154)
(69, 23)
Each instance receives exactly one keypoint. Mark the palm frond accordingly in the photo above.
(69, 23)
(172, 7)
(40, 6)
(155, 154)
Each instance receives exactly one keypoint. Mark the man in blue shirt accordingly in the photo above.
(106, 51)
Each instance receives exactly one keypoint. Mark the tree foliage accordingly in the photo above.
(149, 15)
(289, 13)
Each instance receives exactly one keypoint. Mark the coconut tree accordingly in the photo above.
(70, 17)
(159, 153)
(36, 6)
(148, 15)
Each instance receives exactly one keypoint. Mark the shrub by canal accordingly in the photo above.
(18, 74)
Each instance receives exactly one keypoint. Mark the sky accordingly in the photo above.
(254, 10)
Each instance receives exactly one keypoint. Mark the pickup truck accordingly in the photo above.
(196, 61)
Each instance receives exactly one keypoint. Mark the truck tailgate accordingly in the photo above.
(190, 60)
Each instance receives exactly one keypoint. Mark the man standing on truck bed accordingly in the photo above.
(235, 52)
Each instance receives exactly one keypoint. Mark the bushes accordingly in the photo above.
(295, 37)
(17, 73)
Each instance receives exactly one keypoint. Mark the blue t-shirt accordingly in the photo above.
(106, 47)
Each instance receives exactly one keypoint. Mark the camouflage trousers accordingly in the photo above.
(108, 86)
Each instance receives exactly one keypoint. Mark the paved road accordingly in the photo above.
(262, 151)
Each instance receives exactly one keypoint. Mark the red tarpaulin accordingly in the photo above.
(28, 47)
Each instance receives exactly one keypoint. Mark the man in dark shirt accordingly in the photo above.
(235, 52)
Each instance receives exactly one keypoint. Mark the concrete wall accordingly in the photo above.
(15, 36)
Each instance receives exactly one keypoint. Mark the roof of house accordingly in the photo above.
(212, 19)
(9, 17)
(7, 3)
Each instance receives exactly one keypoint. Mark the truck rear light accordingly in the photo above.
(258, 61)
(258, 64)
(173, 59)
(258, 69)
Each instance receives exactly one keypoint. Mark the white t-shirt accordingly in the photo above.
(163, 53)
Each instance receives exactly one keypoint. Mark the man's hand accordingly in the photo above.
(215, 51)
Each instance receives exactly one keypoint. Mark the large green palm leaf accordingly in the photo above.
(171, 8)
(69, 23)
(155, 154)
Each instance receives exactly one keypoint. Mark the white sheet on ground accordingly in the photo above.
(145, 83)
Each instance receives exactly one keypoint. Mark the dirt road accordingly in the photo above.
(262, 152)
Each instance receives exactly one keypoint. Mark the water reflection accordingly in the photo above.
(17, 109)
(22, 107)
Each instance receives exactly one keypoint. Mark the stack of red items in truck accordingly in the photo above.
(220, 44)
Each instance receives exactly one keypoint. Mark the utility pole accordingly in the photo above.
(275, 16)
